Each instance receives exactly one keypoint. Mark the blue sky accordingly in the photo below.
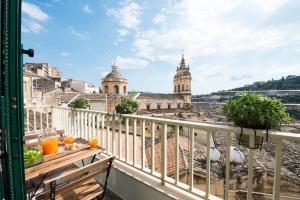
(227, 43)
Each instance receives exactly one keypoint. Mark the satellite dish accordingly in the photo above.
(236, 155)
(215, 154)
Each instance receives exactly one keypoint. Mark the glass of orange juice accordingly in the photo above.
(50, 145)
(68, 140)
(93, 142)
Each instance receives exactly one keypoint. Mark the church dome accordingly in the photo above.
(114, 83)
(114, 74)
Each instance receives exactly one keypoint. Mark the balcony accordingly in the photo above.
(160, 158)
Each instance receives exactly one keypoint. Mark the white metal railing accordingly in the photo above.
(38, 118)
(125, 137)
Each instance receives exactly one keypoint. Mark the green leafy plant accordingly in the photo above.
(32, 155)
(81, 103)
(127, 106)
(256, 111)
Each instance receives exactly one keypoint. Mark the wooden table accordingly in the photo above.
(58, 161)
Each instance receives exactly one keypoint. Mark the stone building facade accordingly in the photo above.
(42, 69)
(114, 83)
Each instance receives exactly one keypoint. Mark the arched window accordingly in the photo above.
(116, 89)
(124, 90)
(106, 89)
(174, 88)
(178, 88)
(182, 89)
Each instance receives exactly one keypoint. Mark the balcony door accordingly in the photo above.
(11, 103)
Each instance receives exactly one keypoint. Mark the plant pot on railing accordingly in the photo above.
(258, 112)
(127, 106)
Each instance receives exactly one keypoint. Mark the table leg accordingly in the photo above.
(38, 186)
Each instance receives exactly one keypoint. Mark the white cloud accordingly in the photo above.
(86, 8)
(131, 63)
(34, 12)
(128, 15)
(123, 32)
(31, 26)
(201, 29)
(158, 19)
(78, 34)
(65, 54)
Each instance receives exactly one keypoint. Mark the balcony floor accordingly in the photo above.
(111, 196)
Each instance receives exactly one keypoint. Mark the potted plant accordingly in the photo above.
(256, 111)
(81, 103)
(127, 106)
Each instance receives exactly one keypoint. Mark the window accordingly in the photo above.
(178, 88)
(169, 106)
(148, 106)
(106, 89)
(158, 106)
(124, 90)
(116, 89)
(178, 105)
(182, 89)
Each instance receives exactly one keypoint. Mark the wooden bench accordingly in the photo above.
(79, 184)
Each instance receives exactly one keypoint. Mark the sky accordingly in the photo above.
(226, 43)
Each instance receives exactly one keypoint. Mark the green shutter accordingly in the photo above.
(11, 110)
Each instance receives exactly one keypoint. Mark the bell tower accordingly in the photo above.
(182, 80)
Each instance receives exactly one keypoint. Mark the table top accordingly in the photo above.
(59, 160)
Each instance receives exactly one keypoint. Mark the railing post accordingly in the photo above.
(34, 119)
(250, 167)
(113, 134)
(47, 118)
(163, 165)
(107, 133)
(85, 125)
(102, 130)
(27, 119)
(94, 126)
(82, 124)
(53, 117)
(176, 154)
(120, 138)
(143, 144)
(152, 147)
(89, 133)
(278, 165)
(134, 142)
(41, 119)
(208, 140)
(191, 160)
(227, 163)
(126, 139)
(98, 128)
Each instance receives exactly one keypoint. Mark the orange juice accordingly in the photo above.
(93, 143)
(68, 140)
(50, 146)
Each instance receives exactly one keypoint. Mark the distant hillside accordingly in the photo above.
(291, 82)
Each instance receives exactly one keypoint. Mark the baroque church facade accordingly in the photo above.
(115, 86)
